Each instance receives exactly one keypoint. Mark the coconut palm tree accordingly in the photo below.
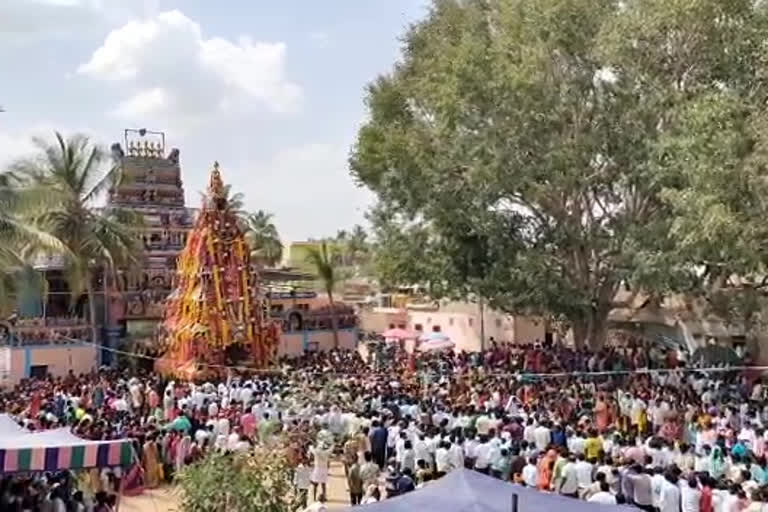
(19, 202)
(263, 238)
(19, 279)
(22, 240)
(321, 258)
(78, 173)
(340, 246)
(357, 245)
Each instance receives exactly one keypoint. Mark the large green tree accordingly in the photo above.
(77, 173)
(543, 154)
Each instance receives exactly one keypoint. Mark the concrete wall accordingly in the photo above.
(461, 323)
(379, 319)
(528, 329)
(295, 343)
(59, 359)
(462, 328)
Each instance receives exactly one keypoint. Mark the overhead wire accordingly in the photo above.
(518, 374)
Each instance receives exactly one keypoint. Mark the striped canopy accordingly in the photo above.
(57, 449)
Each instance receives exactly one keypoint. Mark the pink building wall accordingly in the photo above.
(59, 359)
(463, 327)
(379, 319)
(293, 344)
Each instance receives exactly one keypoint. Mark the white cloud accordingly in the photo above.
(307, 187)
(15, 144)
(143, 103)
(173, 75)
(31, 20)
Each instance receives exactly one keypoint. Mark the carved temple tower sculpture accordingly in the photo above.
(151, 186)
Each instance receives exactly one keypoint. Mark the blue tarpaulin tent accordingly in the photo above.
(469, 491)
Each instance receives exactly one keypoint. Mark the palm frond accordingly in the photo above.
(261, 234)
(18, 209)
(321, 258)
(107, 180)
(72, 169)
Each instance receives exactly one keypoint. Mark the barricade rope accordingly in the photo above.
(552, 375)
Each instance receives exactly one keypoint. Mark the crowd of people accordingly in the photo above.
(646, 431)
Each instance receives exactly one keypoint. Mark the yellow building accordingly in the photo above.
(296, 256)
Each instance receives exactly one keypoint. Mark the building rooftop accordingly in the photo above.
(285, 274)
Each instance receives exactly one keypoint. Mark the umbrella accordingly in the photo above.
(434, 336)
(398, 334)
(437, 344)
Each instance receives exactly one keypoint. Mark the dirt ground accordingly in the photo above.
(166, 499)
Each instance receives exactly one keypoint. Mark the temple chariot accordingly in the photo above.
(216, 315)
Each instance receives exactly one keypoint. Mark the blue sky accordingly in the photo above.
(273, 90)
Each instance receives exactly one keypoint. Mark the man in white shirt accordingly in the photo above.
(483, 455)
(576, 443)
(670, 496)
(583, 473)
(530, 473)
(542, 436)
(483, 424)
(748, 435)
(213, 409)
(336, 422)
(528, 432)
(456, 455)
(442, 460)
(703, 462)
(222, 427)
(604, 496)
(657, 482)
(470, 447)
(245, 395)
(690, 495)
(569, 480)
(511, 407)
(203, 435)
(393, 434)
(421, 450)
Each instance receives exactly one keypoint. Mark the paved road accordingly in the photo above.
(166, 499)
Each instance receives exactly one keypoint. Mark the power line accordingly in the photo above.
(553, 375)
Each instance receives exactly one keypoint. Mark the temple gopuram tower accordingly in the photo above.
(151, 186)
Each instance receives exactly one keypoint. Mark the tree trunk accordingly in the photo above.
(579, 330)
(598, 328)
(334, 322)
(91, 309)
(591, 328)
